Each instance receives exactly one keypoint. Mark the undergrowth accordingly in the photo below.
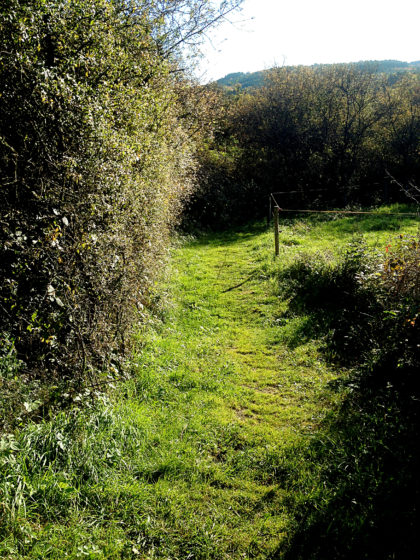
(364, 460)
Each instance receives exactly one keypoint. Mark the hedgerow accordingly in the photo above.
(95, 165)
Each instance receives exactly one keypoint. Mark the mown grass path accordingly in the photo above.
(222, 285)
(248, 387)
(243, 398)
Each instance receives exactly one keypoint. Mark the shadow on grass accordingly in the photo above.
(360, 493)
(230, 237)
(356, 492)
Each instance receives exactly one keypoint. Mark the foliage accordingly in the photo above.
(19, 395)
(242, 80)
(325, 136)
(97, 159)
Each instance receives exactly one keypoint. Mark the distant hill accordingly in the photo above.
(252, 80)
(244, 80)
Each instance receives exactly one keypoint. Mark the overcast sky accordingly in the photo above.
(270, 32)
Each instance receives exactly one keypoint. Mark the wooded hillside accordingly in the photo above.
(245, 80)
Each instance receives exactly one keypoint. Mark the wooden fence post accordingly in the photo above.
(276, 230)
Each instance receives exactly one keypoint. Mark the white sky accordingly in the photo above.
(292, 32)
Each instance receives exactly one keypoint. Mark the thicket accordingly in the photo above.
(332, 135)
(96, 151)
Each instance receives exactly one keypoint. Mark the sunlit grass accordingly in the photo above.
(188, 458)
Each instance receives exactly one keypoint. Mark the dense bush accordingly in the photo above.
(96, 162)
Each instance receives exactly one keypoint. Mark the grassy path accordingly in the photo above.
(273, 392)
(198, 455)
(242, 399)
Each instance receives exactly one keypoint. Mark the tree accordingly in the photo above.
(327, 135)
(96, 162)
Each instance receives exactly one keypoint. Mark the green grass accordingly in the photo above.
(192, 457)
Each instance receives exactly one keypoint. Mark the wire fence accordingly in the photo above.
(314, 211)
(278, 209)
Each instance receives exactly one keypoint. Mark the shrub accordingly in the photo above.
(366, 305)
(94, 166)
